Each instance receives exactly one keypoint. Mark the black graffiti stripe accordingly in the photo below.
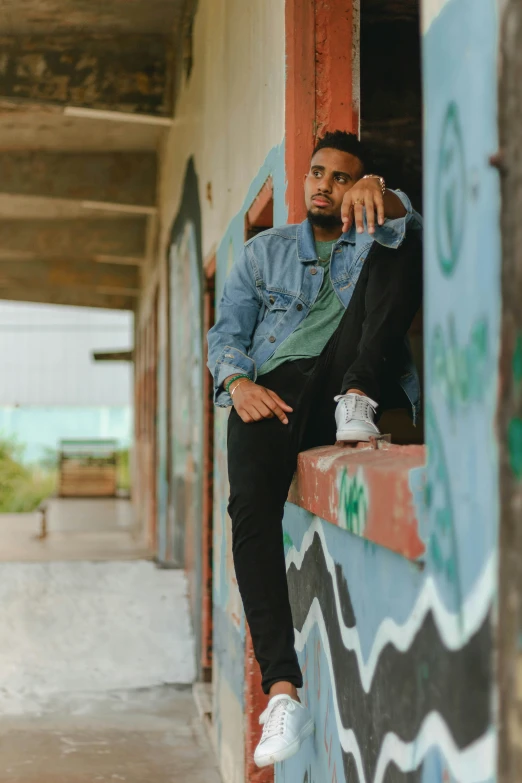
(406, 686)
(392, 775)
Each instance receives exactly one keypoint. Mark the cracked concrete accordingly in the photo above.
(142, 736)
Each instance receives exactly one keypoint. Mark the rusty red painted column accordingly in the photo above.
(322, 88)
(322, 83)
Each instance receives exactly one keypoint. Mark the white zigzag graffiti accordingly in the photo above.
(454, 629)
(475, 763)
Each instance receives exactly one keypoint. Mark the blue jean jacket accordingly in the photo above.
(270, 290)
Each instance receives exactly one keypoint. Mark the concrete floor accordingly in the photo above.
(92, 529)
(83, 627)
(147, 736)
(96, 655)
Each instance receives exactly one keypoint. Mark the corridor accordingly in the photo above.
(96, 658)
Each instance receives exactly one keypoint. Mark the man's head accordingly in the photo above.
(338, 161)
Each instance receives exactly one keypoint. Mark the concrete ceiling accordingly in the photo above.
(40, 130)
(86, 90)
(43, 17)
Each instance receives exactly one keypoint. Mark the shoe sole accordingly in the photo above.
(289, 751)
(355, 437)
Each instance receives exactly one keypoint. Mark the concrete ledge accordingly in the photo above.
(376, 494)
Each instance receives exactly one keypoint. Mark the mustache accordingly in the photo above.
(321, 195)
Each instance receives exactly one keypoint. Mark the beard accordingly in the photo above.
(322, 220)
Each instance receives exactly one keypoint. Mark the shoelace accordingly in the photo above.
(357, 407)
(274, 717)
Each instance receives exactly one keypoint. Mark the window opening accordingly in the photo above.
(260, 216)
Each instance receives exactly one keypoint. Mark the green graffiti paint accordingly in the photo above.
(461, 372)
(353, 502)
(515, 425)
(442, 549)
(450, 192)
(515, 446)
(287, 541)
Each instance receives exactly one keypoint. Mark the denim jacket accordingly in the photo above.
(270, 290)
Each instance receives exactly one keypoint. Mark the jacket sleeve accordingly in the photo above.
(230, 338)
(392, 232)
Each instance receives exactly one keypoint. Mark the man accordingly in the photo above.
(310, 340)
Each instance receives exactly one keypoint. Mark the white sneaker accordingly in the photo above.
(286, 724)
(354, 417)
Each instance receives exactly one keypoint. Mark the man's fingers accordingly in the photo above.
(370, 212)
(265, 404)
(265, 409)
(276, 409)
(379, 203)
(358, 211)
(347, 214)
(282, 404)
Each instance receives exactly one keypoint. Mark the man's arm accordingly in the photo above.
(230, 338)
(228, 344)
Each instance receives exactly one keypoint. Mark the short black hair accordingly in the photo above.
(345, 142)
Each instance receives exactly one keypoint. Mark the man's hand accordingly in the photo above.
(366, 194)
(254, 402)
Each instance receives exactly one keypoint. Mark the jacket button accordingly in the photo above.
(313, 271)
(299, 307)
(271, 339)
(271, 299)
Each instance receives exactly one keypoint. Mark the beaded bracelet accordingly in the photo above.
(234, 378)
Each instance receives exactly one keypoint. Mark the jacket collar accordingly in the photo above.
(306, 251)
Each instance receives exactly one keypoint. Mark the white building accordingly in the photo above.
(50, 385)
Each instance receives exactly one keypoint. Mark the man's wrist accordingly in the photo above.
(230, 381)
(381, 180)
(236, 383)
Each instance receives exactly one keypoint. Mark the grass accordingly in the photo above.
(124, 480)
(23, 486)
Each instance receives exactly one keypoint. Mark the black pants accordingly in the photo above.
(262, 456)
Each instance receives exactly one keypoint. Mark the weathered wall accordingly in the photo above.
(398, 651)
(225, 141)
(509, 667)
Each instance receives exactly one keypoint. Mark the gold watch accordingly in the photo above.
(381, 181)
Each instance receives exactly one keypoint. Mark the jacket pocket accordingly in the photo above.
(276, 300)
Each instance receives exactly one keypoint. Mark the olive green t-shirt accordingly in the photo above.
(314, 331)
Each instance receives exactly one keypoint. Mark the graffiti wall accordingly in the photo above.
(386, 665)
(186, 395)
(230, 696)
(397, 646)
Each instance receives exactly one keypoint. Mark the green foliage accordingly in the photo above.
(123, 470)
(22, 487)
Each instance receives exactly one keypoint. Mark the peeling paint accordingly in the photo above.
(67, 70)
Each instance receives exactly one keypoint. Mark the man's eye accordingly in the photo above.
(316, 173)
(342, 180)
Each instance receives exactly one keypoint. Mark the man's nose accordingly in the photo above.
(325, 185)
